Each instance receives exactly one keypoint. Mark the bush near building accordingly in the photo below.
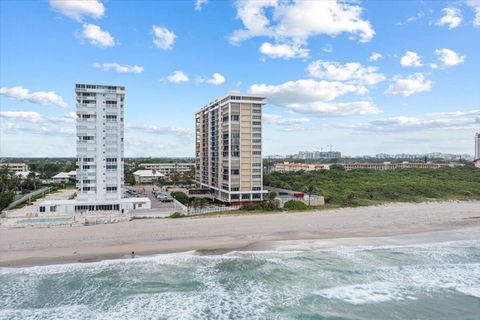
(367, 187)
(295, 205)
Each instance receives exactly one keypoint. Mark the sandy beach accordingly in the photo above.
(34, 246)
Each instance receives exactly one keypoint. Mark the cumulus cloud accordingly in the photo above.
(96, 36)
(352, 72)
(216, 79)
(199, 4)
(475, 5)
(407, 86)
(279, 120)
(375, 56)
(14, 128)
(78, 9)
(296, 21)
(411, 59)
(449, 58)
(312, 97)
(118, 67)
(70, 117)
(28, 116)
(452, 17)
(416, 17)
(446, 120)
(178, 77)
(284, 51)
(41, 97)
(163, 38)
(159, 130)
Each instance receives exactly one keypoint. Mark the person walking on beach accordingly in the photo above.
(133, 254)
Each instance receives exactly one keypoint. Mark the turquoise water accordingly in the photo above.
(432, 281)
(42, 220)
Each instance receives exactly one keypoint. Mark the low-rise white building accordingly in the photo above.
(64, 177)
(64, 207)
(23, 174)
(147, 176)
(16, 167)
(169, 168)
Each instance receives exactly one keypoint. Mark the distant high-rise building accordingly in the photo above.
(229, 148)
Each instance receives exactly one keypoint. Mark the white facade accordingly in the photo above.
(147, 176)
(99, 142)
(168, 168)
(16, 167)
(99, 155)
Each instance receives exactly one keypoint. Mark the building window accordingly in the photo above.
(235, 171)
(257, 188)
(42, 209)
(235, 197)
(256, 177)
(235, 188)
(111, 167)
(257, 123)
(257, 153)
(246, 196)
(111, 188)
(52, 208)
(256, 196)
(235, 117)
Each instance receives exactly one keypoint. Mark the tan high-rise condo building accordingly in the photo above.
(229, 148)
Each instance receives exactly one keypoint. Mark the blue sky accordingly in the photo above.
(364, 76)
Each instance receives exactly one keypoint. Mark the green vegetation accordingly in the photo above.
(295, 205)
(367, 187)
(176, 215)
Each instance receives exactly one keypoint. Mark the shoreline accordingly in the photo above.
(220, 234)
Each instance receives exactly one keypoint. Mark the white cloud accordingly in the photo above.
(475, 5)
(412, 84)
(411, 59)
(28, 116)
(78, 9)
(96, 36)
(14, 128)
(70, 117)
(352, 72)
(449, 58)
(216, 79)
(303, 91)
(178, 77)
(118, 67)
(199, 4)
(296, 21)
(159, 130)
(452, 17)
(163, 38)
(418, 16)
(447, 120)
(328, 48)
(279, 120)
(375, 56)
(311, 97)
(41, 97)
(284, 51)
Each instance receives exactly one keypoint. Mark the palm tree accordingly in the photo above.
(310, 190)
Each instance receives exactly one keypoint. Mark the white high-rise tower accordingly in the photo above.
(99, 155)
(477, 146)
(99, 142)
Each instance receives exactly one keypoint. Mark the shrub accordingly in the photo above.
(176, 215)
(295, 205)
(180, 197)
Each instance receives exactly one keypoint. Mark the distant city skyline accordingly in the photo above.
(370, 77)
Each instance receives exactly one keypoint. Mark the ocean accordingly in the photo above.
(295, 280)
